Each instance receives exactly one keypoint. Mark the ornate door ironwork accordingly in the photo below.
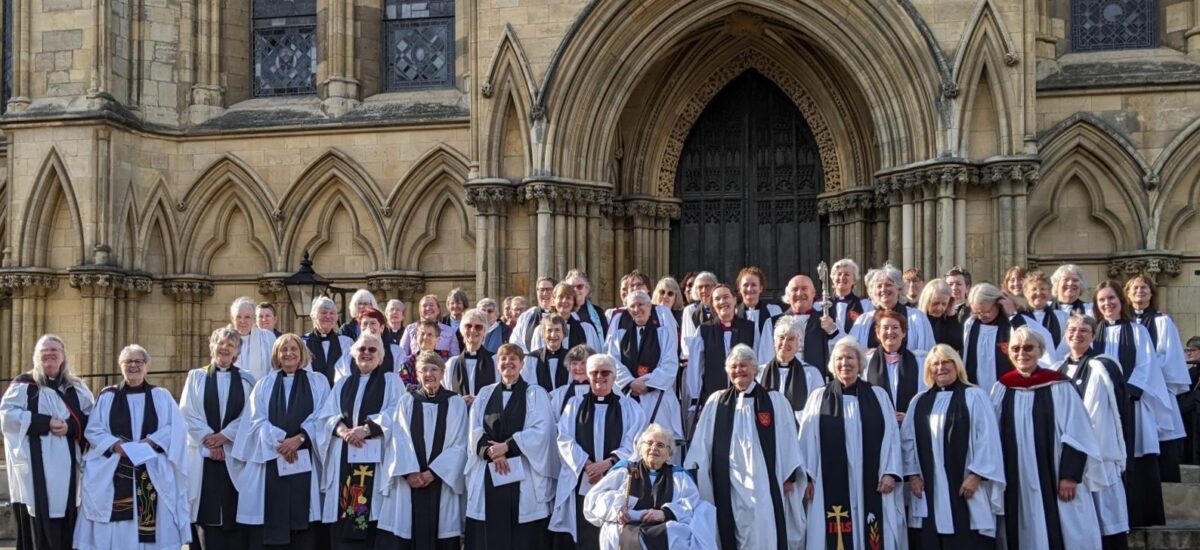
(749, 177)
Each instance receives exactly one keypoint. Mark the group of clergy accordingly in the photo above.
(1013, 416)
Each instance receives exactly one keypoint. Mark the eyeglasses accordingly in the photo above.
(580, 286)
(1024, 348)
(134, 362)
(600, 373)
(655, 444)
(545, 289)
(368, 349)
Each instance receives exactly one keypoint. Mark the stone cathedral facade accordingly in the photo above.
(162, 157)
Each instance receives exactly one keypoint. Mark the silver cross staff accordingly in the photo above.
(823, 274)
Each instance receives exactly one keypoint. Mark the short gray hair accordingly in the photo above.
(487, 302)
(1057, 277)
(656, 431)
(132, 349)
(319, 304)
(239, 304)
(225, 333)
(601, 359)
(637, 296)
(853, 347)
(741, 352)
(352, 307)
(472, 314)
(788, 326)
(1025, 334)
(847, 264)
(984, 293)
(705, 276)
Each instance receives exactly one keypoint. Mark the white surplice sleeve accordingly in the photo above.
(450, 464)
(1171, 357)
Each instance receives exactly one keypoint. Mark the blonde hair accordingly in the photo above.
(64, 373)
(305, 355)
(939, 353)
(854, 347)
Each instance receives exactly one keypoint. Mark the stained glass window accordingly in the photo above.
(1113, 24)
(419, 37)
(285, 47)
(7, 68)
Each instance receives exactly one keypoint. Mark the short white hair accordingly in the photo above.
(1057, 277)
(741, 352)
(394, 303)
(853, 347)
(890, 271)
(239, 304)
(358, 295)
(788, 326)
(472, 314)
(132, 349)
(705, 276)
(984, 293)
(319, 304)
(848, 265)
(601, 359)
(487, 302)
(637, 296)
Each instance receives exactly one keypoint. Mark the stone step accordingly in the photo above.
(1189, 473)
(1182, 501)
(1174, 535)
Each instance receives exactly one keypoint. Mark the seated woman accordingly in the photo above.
(141, 505)
(651, 503)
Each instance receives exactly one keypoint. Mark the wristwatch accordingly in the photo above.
(303, 439)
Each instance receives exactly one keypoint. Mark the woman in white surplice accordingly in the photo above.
(422, 505)
(851, 451)
(512, 461)
(651, 502)
(1050, 454)
(44, 414)
(747, 461)
(358, 412)
(952, 460)
(128, 504)
(281, 433)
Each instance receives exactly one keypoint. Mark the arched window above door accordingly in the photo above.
(285, 47)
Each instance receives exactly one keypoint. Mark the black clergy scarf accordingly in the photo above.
(761, 308)
(713, 376)
(46, 536)
(1076, 307)
(585, 434)
(835, 472)
(575, 333)
(947, 329)
(1120, 391)
(1004, 327)
(764, 415)
(502, 505)
(531, 327)
(127, 475)
(701, 314)
(569, 393)
(854, 308)
(427, 501)
(816, 340)
(640, 359)
(1126, 348)
(357, 482)
(1071, 461)
(1147, 319)
(485, 372)
(322, 361)
(909, 371)
(796, 386)
(956, 433)
(550, 380)
(218, 498)
(650, 496)
(1050, 321)
(287, 498)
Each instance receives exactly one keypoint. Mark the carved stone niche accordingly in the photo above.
(1152, 263)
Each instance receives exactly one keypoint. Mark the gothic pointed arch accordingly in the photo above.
(228, 185)
(230, 224)
(1083, 152)
(877, 50)
(333, 234)
(438, 174)
(332, 167)
(1177, 175)
(441, 207)
(51, 186)
(126, 246)
(510, 84)
(982, 71)
(159, 234)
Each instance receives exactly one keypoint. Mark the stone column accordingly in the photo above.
(6, 340)
(545, 231)
(895, 230)
(28, 289)
(908, 224)
(1193, 34)
(190, 336)
(946, 223)
(22, 57)
(207, 97)
(929, 236)
(491, 199)
(403, 285)
(272, 289)
(340, 85)
(98, 311)
(960, 226)
(129, 293)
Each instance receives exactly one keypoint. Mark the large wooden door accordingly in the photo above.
(749, 177)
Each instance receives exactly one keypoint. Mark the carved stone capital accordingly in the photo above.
(271, 286)
(646, 207)
(561, 194)
(859, 199)
(1153, 264)
(490, 196)
(16, 280)
(395, 282)
(188, 289)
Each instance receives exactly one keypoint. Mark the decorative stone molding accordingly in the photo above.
(13, 280)
(490, 196)
(400, 281)
(646, 207)
(103, 279)
(188, 289)
(859, 199)
(792, 86)
(563, 194)
(1151, 263)
(271, 286)
(959, 171)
